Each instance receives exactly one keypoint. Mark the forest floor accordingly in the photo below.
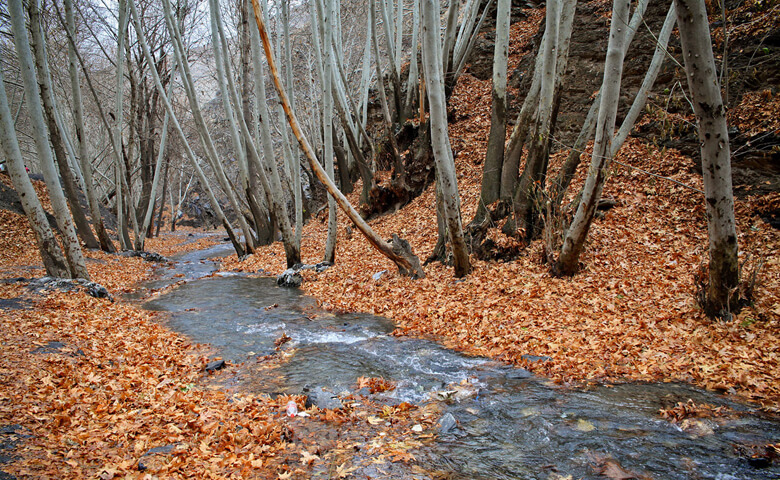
(95, 388)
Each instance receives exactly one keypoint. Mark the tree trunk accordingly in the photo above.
(574, 241)
(326, 32)
(528, 199)
(723, 288)
(200, 123)
(51, 254)
(494, 158)
(442, 151)
(73, 254)
(169, 109)
(267, 167)
(407, 263)
(38, 45)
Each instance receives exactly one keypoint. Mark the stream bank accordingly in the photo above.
(495, 421)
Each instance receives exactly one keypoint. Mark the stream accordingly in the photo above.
(509, 423)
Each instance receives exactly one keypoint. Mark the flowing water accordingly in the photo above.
(509, 424)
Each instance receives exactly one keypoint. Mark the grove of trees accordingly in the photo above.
(268, 110)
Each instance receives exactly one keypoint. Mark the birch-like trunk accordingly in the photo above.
(51, 254)
(325, 34)
(566, 174)
(400, 253)
(73, 253)
(184, 140)
(200, 123)
(723, 288)
(392, 55)
(294, 157)
(494, 158)
(527, 198)
(267, 167)
(56, 136)
(399, 164)
(440, 142)
(574, 241)
(220, 61)
(147, 221)
(84, 158)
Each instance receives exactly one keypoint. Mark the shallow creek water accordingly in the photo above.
(510, 424)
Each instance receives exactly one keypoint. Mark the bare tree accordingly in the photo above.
(494, 158)
(442, 151)
(574, 240)
(723, 289)
(73, 254)
(83, 145)
(51, 254)
(400, 253)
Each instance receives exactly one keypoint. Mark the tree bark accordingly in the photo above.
(407, 263)
(723, 288)
(169, 109)
(51, 254)
(494, 158)
(73, 254)
(574, 241)
(38, 44)
(442, 151)
(78, 119)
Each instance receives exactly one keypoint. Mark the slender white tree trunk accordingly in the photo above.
(440, 141)
(407, 263)
(57, 135)
(51, 254)
(184, 140)
(268, 165)
(574, 241)
(200, 123)
(723, 289)
(644, 90)
(325, 33)
(73, 253)
(494, 158)
(118, 104)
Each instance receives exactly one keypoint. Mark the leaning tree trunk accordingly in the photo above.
(200, 123)
(266, 166)
(38, 44)
(51, 254)
(184, 140)
(569, 168)
(400, 253)
(723, 289)
(440, 142)
(574, 241)
(494, 158)
(73, 254)
(78, 119)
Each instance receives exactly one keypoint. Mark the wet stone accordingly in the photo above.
(148, 256)
(290, 278)
(535, 358)
(215, 365)
(447, 423)
(519, 374)
(17, 303)
(44, 284)
(51, 347)
(320, 398)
